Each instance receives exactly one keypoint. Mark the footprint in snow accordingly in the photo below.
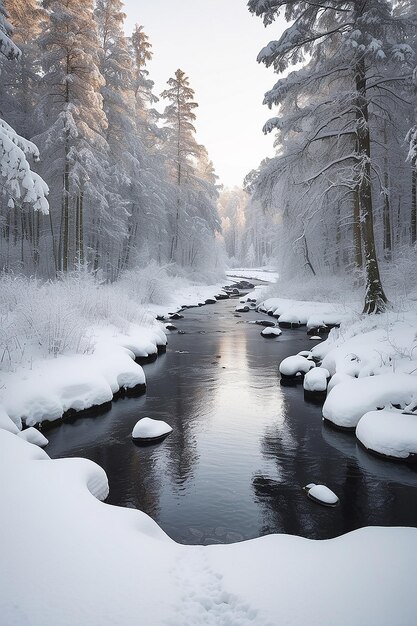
(204, 600)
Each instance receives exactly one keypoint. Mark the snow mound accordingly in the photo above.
(271, 332)
(316, 379)
(389, 432)
(295, 365)
(348, 401)
(306, 353)
(336, 379)
(147, 428)
(322, 494)
(74, 382)
(289, 318)
(32, 435)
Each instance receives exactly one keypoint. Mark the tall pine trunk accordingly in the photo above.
(375, 298)
(413, 201)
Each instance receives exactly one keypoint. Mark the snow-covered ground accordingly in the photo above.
(268, 275)
(68, 559)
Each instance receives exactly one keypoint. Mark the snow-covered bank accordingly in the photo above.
(268, 275)
(306, 313)
(70, 548)
(372, 361)
(72, 344)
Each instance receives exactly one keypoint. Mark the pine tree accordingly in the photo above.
(182, 148)
(73, 124)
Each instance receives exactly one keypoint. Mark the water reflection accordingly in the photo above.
(241, 447)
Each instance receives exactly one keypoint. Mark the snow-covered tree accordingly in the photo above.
(194, 207)
(354, 62)
(20, 184)
(73, 124)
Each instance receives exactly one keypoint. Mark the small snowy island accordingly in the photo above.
(147, 430)
(321, 494)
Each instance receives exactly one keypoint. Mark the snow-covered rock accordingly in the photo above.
(348, 401)
(288, 320)
(271, 332)
(389, 432)
(263, 322)
(32, 435)
(295, 365)
(321, 494)
(316, 380)
(147, 429)
(306, 353)
(242, 308)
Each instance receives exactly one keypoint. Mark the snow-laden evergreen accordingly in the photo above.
(340, 179)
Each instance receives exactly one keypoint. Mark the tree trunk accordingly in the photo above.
(375, 298)
(387, 204)
(357, 231)
(414, 201)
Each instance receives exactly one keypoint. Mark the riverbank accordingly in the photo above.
(75, 344)
(63, 532)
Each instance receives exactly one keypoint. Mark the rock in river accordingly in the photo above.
(147, 430)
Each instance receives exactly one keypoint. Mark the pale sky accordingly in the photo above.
(216, 43)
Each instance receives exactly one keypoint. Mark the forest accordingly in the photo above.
(116, 183)
(208, 387)
(122, 183)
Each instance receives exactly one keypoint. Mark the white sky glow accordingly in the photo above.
(216, 43)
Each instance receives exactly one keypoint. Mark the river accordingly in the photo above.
(242, 446)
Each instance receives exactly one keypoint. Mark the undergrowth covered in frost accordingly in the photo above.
(41, 319)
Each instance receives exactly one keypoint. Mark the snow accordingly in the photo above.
(389, 432)
(62, 572)
(6, 423)
(147, 428)
(288, 318)
(20, 182)
(306, 312)
(271, 332)
(262, 273)
(323, 494)
(33, 436)
(372, 345)
(188, 294)
(348, 401)
(316, 379)
(78, 382)
(293, 365)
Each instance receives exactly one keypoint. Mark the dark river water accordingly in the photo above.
(242, 446)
